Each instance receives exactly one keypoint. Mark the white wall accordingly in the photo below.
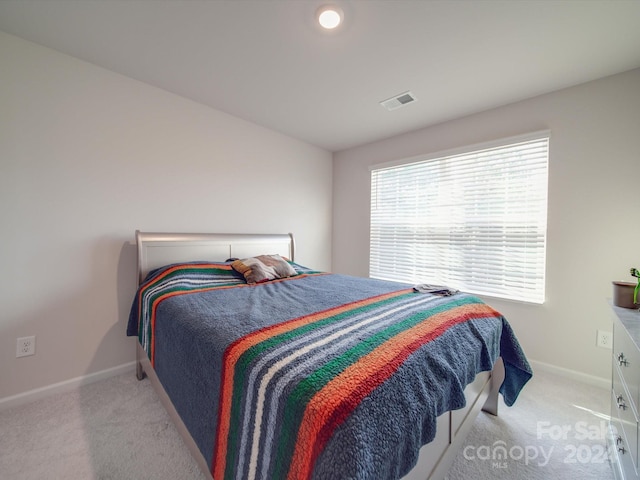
(88, 156)
(594, 208)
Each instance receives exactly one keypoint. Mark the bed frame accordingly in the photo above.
(159, 249)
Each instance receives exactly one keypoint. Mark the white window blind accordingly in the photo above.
(475, 221)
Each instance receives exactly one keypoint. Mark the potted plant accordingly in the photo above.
(625, 294)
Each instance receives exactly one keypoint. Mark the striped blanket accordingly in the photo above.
(317, 375)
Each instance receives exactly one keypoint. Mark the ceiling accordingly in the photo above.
(266, 61)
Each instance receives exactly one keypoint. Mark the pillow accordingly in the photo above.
(263, 268)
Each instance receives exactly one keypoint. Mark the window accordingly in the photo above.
(474, 220)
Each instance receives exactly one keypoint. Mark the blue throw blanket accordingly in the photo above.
(317, 375)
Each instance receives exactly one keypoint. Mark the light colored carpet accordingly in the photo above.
(117, 429)
(114, 429)
(556, 430)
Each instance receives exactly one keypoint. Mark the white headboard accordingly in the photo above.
(159, 249)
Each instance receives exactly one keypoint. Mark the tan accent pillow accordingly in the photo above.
(263, 268)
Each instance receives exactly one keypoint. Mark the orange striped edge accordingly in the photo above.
(169, 271)
(161, 298)
(334, 402)
(241, 345)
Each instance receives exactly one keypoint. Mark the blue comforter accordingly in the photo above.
(317, 375)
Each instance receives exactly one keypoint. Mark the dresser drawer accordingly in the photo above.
(621, 408)
(626, 358)
(619, 449)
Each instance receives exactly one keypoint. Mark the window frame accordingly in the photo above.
(442, 156)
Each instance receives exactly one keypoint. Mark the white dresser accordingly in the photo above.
(623, 441)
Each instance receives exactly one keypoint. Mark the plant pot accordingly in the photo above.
(623, 295)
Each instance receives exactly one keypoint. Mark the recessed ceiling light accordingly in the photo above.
(329, 16)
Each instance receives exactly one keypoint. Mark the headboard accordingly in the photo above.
(159, 249)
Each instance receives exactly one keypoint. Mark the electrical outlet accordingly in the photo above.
(604, 339)
(26, 346)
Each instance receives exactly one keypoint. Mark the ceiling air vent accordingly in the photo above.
(398, 101)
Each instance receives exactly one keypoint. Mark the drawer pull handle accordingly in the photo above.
(622, 361)
(621, 403)
(622, 450)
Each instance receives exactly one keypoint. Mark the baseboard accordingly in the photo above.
(66, 386)
(572, 374)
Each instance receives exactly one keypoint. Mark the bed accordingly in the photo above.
(309, 374)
